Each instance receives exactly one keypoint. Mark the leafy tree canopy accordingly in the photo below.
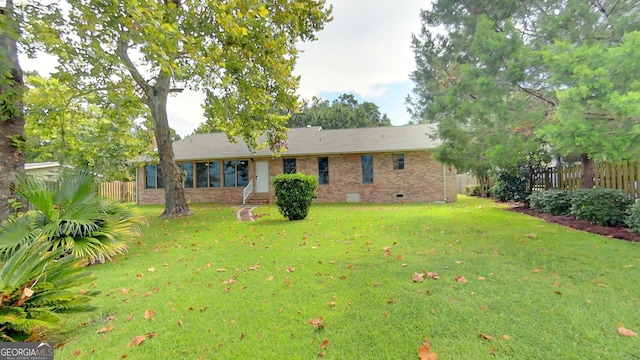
(83, 130)
(342, 113)
(240, 53)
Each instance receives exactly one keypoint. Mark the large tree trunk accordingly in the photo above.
(175, 204)
(588, 172)
(11, 116)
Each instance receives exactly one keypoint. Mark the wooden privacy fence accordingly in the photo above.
(624, 176)
(118, 190)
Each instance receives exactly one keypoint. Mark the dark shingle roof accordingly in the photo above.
(313, 141)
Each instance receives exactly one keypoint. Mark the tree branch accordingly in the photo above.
(534, 94)
(123, 47)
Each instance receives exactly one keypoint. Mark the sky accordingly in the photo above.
(365, 51)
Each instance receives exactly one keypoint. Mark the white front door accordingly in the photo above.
(262, 176)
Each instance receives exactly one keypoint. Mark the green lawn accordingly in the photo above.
(212, 287)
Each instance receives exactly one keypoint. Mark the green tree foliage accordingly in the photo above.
(37, 291)
(240, 53)
(11, 117)
(294, 193)
(501, 78)
(69, 215)
(83, 130)
(343, 113)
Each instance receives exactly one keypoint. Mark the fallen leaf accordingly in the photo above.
(399, 257)
(221, 270)
(129, 318)
(461, 279)
(124, 356)
(506, 337)
(139, 276)
(481, 278)
(179, 322)
(418, 277)
(324, 344)
(485, 336)
(459, 262)
(536, 271)
(149, 314)
(76, 353)
(137, 340)
(317, 323)
(124, 291)
(254, 267)
(424, 352)
(242, 336)
(626, 332)
(105, 329)
(291, 269)
(151, 269)
(432, 275)
(530, 236)
(332, 303)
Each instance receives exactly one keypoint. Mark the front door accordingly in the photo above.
(262, 176)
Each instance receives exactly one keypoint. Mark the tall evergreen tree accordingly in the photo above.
(496, 77)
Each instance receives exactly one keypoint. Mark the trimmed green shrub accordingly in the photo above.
(605, 207)
(633, 220)
(294, 193)
(554, 202)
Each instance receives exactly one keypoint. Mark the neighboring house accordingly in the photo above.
(47, 169)
(376, 165)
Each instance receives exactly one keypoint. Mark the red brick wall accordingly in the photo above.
(420, 181)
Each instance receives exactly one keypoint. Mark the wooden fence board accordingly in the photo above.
(118, 190)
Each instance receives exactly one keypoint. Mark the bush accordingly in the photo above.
(511, 184)
(35, 291)
(473, 190)
(294, 193)
(70, 215)
(554, 202)
(633, 220)
(605, 207)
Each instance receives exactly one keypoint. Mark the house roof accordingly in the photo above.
(41, 165)
(313, 141)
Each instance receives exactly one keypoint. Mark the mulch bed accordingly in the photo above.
(572, 222)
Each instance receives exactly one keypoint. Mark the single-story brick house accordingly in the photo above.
(377, 165)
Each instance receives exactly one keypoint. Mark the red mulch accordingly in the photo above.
(570, 221)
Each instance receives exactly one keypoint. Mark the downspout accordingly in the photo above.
(137, 186)
(444, 182)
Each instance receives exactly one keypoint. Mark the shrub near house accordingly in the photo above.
(294, 193)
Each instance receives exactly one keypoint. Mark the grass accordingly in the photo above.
(556, 293)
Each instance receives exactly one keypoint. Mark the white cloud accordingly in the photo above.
(367, 45)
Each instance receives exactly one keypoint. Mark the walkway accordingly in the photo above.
(245, 213)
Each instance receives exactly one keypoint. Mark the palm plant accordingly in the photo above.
(69, 215)
(36, 290)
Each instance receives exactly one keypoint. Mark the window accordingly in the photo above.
(289, 166)
(187, 172)
(367, 169)
(398, 161)
(323, 170)
(153, 177)
(236, 173)
(208, 174)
